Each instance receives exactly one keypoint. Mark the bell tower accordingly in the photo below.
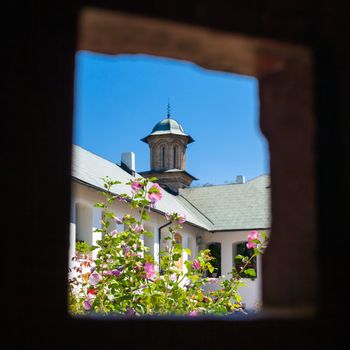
(168, 143)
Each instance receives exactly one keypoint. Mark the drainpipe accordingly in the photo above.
(159, 236)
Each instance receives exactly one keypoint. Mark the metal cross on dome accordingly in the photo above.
(168, 109)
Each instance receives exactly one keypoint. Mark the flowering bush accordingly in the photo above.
(125, 279)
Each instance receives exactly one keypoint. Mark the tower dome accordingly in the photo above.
(168, 126)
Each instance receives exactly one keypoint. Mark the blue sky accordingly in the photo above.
(118, 100)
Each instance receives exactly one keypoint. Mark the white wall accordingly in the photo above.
(85, 197)
(252, 293)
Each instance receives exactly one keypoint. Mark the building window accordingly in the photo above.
(163, 156)
(175, 157)
(215, 250)
(83, 223)
(83, 231)
(241, 249)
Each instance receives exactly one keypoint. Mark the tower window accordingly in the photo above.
(175, 156)
(163, 157)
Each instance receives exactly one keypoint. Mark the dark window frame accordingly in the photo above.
(46, 164)
(242, 249)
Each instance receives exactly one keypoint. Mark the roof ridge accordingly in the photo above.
(228, 184)
(213, 185)
(256, 177)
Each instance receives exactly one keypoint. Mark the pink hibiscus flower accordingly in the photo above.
(135, 186)
(196, 265)
(114, 233)
(155, 193)
(87, 303)
(94, 278)
(150, 270)
(193, 313)
(138, 228)
(182, 218)
(118, 220)
(253, 235)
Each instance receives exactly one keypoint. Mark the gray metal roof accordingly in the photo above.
(234, 206)
(89, 168)
(168, 126)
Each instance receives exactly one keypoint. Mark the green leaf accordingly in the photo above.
(245, 259)
(98, 230)
(99, 205)
(176, 257)
(115, 182)
(145, 216)
(153, 190)
(210, 268)
(178, 247)
(250, 272)
(239, 257)
(257, 251)
(200, 296)
(238, 297)
(188, 251)
(188, 264)
(109, 215)
(124, 195)
(194, 278)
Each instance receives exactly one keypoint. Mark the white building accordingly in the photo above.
(218, 217)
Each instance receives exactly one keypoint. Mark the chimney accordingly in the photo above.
(240, 179)
(128, 162)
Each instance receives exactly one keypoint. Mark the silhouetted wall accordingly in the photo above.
(36, 143)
